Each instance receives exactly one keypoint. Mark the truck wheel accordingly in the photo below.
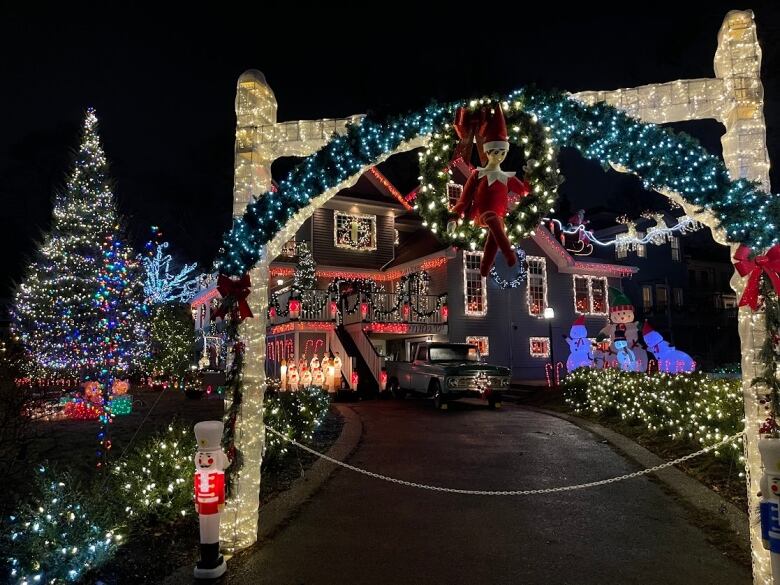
(396, 390)
(439, 403)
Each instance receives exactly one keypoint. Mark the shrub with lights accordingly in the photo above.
(60, 534)
(296, 414)
(154, 481)
(683, 407)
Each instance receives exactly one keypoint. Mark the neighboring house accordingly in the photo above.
(682, 288)
(383, 281)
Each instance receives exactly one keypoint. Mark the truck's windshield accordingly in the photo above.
(454, 353)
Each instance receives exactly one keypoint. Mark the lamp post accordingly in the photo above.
(549, 315)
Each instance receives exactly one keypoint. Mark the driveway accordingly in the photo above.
(360, 530)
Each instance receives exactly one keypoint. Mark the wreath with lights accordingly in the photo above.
(519, 279)
(541, 171)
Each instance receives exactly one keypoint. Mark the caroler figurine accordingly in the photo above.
(210, 464)
(485, 197)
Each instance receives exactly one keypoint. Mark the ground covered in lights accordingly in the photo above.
(722, 476)
(150, 556)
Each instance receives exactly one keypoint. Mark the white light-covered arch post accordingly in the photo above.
(260, 141)
(734, 97)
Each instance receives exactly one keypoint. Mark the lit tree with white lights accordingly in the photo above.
(81, 309)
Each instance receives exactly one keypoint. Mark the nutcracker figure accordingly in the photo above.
(770, 501)
(485, 197)
(210, 463)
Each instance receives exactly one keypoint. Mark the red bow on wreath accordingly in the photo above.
(467, 124)
(769, 264)
(234, 293)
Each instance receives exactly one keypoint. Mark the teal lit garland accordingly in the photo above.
(662, 158)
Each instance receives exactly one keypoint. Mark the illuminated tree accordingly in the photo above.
(173, 339)
(81, 308)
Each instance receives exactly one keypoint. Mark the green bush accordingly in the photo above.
(154, 481)
(61, 532)
(296, 414)
(682, 407)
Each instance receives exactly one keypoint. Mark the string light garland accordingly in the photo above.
(600, 132)
(519, 279)
(657, 235)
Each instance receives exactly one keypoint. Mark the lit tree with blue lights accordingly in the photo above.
(81, 309)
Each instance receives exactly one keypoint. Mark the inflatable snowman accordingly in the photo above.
(670, 360)
(579, 346)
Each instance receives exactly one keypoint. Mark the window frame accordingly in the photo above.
(372, 218)
(530, 278)
(473, 273)
(589, 288)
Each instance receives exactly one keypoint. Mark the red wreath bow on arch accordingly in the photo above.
(238, 291)
(467, 124)
(768, 264)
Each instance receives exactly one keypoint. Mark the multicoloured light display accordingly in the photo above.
(81, 307)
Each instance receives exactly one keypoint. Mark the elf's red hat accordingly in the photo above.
(493, 130)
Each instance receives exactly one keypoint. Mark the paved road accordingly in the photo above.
(359, 530)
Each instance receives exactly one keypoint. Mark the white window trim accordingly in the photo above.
(676, 249)
(468, 311)
(543, 262)
(371, 218)
(480, 341)
(545, 340)
(589, 280)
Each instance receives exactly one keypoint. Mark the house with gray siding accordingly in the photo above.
(384, 282)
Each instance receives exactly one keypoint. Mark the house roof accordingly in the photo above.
(568, 264)
(418, 244)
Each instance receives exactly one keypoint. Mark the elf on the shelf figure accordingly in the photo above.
(210, 463)
(485, 196)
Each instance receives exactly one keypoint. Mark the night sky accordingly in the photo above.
(164, 85)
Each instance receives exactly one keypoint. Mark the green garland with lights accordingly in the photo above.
(662, 158)
(683, 407)
(541, 171)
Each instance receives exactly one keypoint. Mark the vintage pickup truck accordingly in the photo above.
(447, 371)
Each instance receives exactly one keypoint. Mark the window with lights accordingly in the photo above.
(354, 231)
(482, 343)
(474, 285)
(539, 347)
(536, 286)
(590, 295)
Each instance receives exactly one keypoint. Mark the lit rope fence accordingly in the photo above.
(567, 488)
